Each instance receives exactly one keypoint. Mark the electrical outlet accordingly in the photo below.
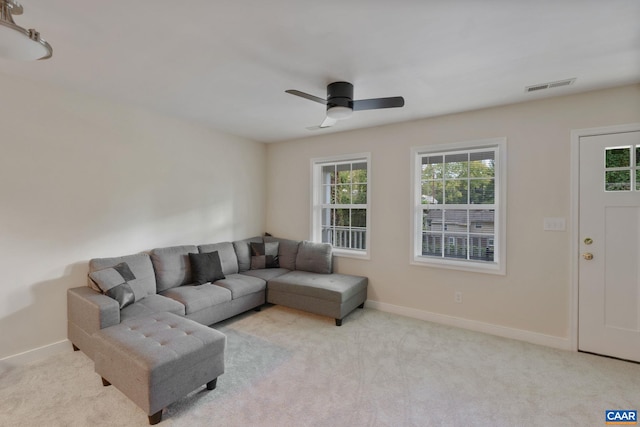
(457, 297)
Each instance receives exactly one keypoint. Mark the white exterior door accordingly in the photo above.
(609, 230)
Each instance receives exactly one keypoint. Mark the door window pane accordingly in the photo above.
(618, 180)
(618, 157)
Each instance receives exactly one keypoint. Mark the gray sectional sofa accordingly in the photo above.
(300, 275)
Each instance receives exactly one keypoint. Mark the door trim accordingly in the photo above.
(574, 213)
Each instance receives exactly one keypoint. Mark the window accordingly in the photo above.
(622, 167)
(459, 206)
(341, 200)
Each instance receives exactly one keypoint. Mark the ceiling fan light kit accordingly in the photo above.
(17, 42)
(339, 113)
(340, 103)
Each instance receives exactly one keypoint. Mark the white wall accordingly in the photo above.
(534, 295)
(83, 178)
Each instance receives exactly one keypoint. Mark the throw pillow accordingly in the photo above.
(206, 267)
(119, 283)
(264, 255)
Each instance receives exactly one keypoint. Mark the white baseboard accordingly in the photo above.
(473, 325)
(36, 354)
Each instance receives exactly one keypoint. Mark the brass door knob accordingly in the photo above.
(588, 256)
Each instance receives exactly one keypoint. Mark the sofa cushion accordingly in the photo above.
(172, 266)
(150, 305)
(119, 283)
(266, 273)
(287, 251)
(205, 267)
(139, 264)
(227, 253)
(314, 257)
(264, 255)
(243, 252)
(241, 285)
(330, 287)
(198, 297)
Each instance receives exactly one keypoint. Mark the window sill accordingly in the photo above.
(469, 266)
(346, 253)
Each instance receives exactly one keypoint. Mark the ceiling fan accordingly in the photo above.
(340, 103)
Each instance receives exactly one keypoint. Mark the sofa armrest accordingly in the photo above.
(91, 310)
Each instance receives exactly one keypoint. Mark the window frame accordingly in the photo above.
(498, 265)
(317, 203)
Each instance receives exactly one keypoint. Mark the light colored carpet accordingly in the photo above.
(289, 368)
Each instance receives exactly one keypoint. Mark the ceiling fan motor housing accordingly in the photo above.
(340, 94)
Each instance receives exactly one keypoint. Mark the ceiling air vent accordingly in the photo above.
(549, 85)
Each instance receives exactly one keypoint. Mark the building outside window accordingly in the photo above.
(341, 199)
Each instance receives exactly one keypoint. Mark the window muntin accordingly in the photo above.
(340, 212)
(458, 215)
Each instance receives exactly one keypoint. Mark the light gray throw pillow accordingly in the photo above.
(119, 283)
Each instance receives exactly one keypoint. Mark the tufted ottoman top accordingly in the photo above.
(153, 348)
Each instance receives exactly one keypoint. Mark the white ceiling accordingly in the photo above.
(227, 63)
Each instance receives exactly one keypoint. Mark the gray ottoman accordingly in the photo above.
(155, 360)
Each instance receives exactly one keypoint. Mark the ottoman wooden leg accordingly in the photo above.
(361, 305)
(338, 322)
(155, 418)
(211, 385)
(105, 383)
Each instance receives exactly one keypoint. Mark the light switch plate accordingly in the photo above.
(554, 224)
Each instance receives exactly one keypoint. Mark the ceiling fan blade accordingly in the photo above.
(328, 122)
(306, 96)
(376, 103)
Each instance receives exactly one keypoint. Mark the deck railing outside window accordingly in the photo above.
(345, 237)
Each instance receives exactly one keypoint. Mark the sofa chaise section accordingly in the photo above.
(89, 310)
(333, 295)
(313, 287)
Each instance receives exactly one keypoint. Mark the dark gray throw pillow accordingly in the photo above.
(206, 267)
(264, 255)
(119, 283)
